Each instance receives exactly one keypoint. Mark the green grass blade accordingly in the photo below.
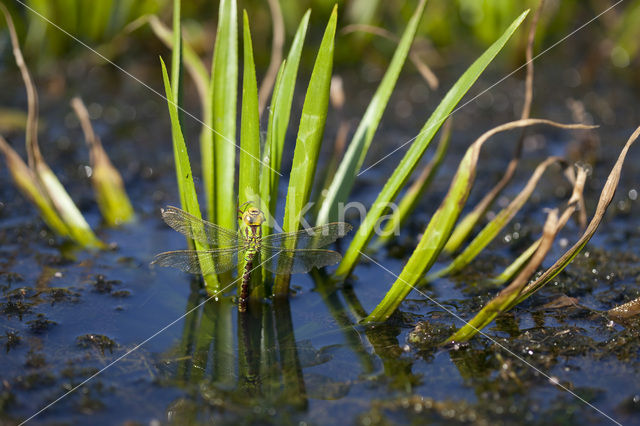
(309, 139)
(516, 266)
(413, 195)
(99, 19)
(413, 155)
(491, 230)
(249, 126)
(519, 290)
(249, 174)
(506, 297)
(108, 185)
(37, 31)
(469, 221)
(606, 196)
(268, 171)
(439, 228)
(200, 77)
(121, 14)
(340, 188)
(194, 66)
(176, 57)
(70, 9)
(269, 191)
(279, 114)
(27, 183)
(224, 80)
(48, 183)
(78, 227)
(186, 187)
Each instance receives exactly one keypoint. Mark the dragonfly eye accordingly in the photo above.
(253, 217)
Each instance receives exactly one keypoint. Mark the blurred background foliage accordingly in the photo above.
(112, 26)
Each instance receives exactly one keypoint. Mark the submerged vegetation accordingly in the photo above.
(268, 198)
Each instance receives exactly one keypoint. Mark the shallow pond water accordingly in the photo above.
(147, 345)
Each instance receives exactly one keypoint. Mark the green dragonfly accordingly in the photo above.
(285, 253)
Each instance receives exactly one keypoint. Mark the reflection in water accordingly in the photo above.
(260, 371)
(249, 367)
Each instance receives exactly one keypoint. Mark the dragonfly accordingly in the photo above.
(283, 253)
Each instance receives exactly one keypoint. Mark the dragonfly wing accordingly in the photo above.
(297, 261)
(198, 229)
(311, 238)
(213, 261)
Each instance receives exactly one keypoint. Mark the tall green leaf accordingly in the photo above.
(402, 173)
(224, 91)
(176, 55)
(249, 179)
(268, 173)
(340, 188)
(99, 16)
(441, 224)
(186, 187)
(309, 139)
(509, 296)
(414, 194)
(491, 230)
(28, 184)
(250, 125)
(48, 183)
(279, 114)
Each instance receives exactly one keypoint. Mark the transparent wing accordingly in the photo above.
(222, 260)
(198, 229)
(297, 261)
(318, 236)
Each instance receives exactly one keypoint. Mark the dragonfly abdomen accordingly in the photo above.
(250, 254)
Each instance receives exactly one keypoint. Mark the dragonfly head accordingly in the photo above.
(252, 217)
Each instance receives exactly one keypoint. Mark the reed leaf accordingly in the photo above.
(606, 195)
(249, 176)
(413, 195)
(506, 298)
(79, 229)
(409, 162)
(50, 186)
(27, 183)
(516, 266)
(107, 183)
(441, 224)
(469, 221)
(309, 139)
(520, 290)
(37, 31)
(224, 92)
(191, 60)
(342, 184)
(99, 13)
(491, 230)
(176, 57)
(186, 187)
(268, 172)
(279, 115)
